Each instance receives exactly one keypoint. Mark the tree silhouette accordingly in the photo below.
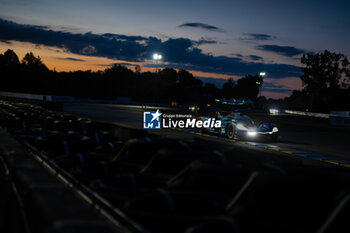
(248, 87)
(245, 88)
(228, 90)
(186, 79)
(326, 79)
(10, 70)
(298, 100)
(10, 58)
(137, 69)
(189, 87)
(325, 70)
(168, 74)
(210, 93)
(33, 62)
(326, 82)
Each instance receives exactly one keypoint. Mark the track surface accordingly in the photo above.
(306, 135)
(310, 135)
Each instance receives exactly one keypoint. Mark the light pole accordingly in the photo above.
(262, 75)
(157, 57)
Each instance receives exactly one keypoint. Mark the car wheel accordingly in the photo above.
(229, 131)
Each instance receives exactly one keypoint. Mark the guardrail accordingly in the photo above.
(26, 96)
(71, 99)
(311, 114)
(337, 118)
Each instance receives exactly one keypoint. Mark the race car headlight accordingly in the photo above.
(273, 111)
(251, 133)
(274, 130)
(241, 127)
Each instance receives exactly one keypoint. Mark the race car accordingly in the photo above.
(235, 125)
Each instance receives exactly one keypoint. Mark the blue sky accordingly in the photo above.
(227, 38)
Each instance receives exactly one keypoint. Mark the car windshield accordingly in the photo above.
(246, 121)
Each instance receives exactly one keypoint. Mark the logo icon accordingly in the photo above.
(151, 120)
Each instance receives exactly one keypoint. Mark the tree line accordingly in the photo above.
(325, 78)
(30, 75)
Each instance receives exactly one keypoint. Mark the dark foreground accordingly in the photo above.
(71, 174)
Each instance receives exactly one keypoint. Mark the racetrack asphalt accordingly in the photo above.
(303, 137)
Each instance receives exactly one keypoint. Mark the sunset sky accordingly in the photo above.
(215, 40)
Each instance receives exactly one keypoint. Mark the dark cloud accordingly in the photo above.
(251, 57)
(255, 57)
(5, 41)
(237, 54)
(71, 59)
(273, 87)
(204, 41)
(107, 45)
(202, 26)
(181, 53)
(257, 36)
(288, 51)
(218, 82)
(123, 37)
(112, 64)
